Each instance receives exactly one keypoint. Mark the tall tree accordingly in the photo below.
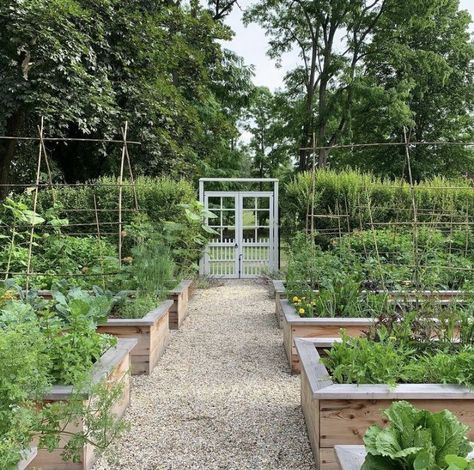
(418, 73)
(331, 36)
(269, 146)
(48, 66)
(89, 66)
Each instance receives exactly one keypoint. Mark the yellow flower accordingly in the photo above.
(8, 295)
(301, 311)
(295, 299)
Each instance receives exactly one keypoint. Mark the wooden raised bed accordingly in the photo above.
(296, 327)
(340, 414)
(180, 296)
(151, 332)
(113, 367)
(279, 286)
(279, 292)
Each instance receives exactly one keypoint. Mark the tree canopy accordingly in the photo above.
(89, 66)
(368, 71)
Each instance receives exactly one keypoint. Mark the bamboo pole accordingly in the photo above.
(35, 203)
(122, 164)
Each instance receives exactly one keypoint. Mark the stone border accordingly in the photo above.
(340, 414)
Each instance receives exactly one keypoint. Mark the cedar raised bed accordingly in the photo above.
(340, 414)
(151, 332)
(296, 327)
(113, 367)
(279, 292)
(180, 296)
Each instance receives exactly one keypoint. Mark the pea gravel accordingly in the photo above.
(221, 396)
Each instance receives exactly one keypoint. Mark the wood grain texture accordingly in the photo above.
(346, 411)
(346, 421)
(152, 334)
(114, 369)
(179, 310)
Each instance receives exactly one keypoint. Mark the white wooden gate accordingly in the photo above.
(246, 224)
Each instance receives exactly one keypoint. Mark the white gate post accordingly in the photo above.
(202, 269)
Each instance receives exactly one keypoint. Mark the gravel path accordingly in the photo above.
(221, 397)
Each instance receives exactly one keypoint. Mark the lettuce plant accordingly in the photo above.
(417, 440)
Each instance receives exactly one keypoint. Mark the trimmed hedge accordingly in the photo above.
(159, 198)
(164, 204)
(351, 192)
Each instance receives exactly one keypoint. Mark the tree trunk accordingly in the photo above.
(321, 132)
(7, 151)
(306, 134)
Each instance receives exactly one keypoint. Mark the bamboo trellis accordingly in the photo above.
(33, 227)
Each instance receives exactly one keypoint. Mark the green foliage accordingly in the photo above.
(52, 342)
(417, 440)
(168, 212)
(137, 307)
(24, 359)
(351, 278)
(421, 77)
(87, 67)
(395, 66)
(350, 192)
(385, 358)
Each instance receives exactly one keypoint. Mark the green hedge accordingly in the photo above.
(159, 198)
(351, 192)
(164, 204)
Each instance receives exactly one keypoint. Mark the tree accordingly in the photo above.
(48, 66)
(418, 73)
(325, 79)
(269, 147)
(89, 66)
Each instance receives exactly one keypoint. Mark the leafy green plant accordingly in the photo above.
(136, 307)
(417, 440)
(384, 358)
(24, 359)
(37, 350)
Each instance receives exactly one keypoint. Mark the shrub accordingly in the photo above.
(349, 192)
(52, 342)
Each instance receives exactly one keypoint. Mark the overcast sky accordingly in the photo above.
(250, 43)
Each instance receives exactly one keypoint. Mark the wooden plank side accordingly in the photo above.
(46, 460)
(140, 333)
(346, 421)
(315, 331)
(287, 340)
(328, 460)
(311, 414)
